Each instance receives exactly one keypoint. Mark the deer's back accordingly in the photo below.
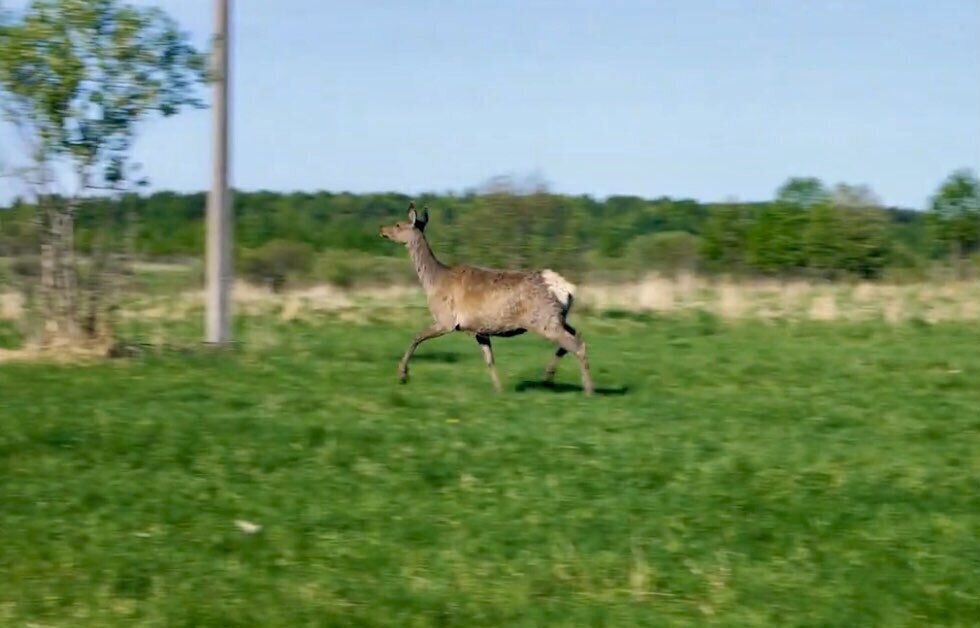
(498, 302)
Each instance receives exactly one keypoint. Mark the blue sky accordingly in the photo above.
(709, 100)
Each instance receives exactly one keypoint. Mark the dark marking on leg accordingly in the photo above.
(559, 333)
(484, 342)
(549, 371)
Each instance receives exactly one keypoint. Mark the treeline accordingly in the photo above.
(808, 229)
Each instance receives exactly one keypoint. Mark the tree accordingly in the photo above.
(847, 235)
(854, 196)
(773, 243)
(955, 212)
(76, 79)
(519, 225)
(802, 191)
(723, 240)
(277, 261)
(822, 240)
(670, 252)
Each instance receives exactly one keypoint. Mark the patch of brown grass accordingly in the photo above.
(792, 299)
(60, 354)
(11, 306)
(727, 298)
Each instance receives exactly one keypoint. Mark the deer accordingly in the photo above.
(489, 303)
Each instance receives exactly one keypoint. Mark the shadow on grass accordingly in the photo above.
(446, 357)
(529, 385)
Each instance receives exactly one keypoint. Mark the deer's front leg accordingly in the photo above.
(426, 334)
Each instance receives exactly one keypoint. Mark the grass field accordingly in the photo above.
(746, 473)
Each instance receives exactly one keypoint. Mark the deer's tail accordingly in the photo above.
(560, 288)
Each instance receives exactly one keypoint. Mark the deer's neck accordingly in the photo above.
(428, 268)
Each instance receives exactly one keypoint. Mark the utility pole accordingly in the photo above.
(218, 299)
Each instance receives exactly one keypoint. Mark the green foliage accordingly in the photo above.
(276, 261)
(955, 212)
(76, 79)
(845, 234)
(81, 74)
(347, 269)
(669, 252)
(10, 335)
(773, 241)
(840, 241)
(864, 241)
(723, 244)
(518, 231)
(18, 230)
(905, 264)
(750, 475)
(803, 192)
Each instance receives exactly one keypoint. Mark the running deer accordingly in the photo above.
(487, 302)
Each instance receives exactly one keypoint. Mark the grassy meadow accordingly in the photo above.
(731, 471)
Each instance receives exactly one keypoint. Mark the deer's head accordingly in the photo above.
(404, 232)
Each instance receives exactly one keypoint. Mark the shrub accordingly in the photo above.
(277, 261)
(26, 266)
(10, 336)
(346, 269)
(669, 252)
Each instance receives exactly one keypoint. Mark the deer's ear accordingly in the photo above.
(423, 220)
(412, 216)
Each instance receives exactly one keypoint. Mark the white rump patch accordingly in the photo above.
(561, 288)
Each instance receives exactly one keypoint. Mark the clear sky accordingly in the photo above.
(709, 100)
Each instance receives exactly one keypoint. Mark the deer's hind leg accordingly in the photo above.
(569, 342)
(484, 342)
(549, 371)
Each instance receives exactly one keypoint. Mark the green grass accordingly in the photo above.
(10, 335)
(780, 474)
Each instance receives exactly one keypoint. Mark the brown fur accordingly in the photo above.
(488, 302)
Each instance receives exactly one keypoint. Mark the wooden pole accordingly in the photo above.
(218, 300)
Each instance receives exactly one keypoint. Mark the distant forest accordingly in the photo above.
(808, 229)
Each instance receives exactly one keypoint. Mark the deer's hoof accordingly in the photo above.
(403, 378)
